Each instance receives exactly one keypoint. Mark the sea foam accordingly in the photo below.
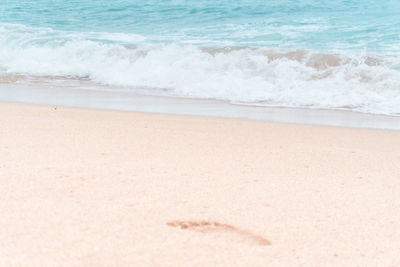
(242, 75)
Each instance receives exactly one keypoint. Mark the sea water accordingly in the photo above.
(342, 54)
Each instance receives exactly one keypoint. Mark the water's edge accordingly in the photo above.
(128, 101)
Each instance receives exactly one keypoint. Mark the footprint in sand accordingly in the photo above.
(228, 231)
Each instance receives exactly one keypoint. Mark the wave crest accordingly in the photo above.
(257, 76)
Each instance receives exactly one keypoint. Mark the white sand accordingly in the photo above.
(91, 188)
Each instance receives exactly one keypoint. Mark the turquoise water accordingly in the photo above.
(319, 54)
(325, 25)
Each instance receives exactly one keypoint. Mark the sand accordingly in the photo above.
(82, 187)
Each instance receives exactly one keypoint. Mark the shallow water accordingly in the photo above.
(318, 54)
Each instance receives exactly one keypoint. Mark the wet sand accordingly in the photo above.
(78, 93)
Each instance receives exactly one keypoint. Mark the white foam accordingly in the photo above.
(251, 76)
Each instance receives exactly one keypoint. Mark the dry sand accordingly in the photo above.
(91, 188)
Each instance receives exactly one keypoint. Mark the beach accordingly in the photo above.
(199, 133)
(90, 187)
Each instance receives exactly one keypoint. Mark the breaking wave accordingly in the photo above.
(244, 75)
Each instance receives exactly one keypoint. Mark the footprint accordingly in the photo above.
(226, 229)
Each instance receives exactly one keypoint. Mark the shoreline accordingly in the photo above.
(131, 101)
(99, 187)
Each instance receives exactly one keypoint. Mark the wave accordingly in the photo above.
(245, 75)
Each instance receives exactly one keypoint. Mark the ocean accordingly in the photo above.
(342, 54)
